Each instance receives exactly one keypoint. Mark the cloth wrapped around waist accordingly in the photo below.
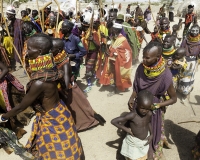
(54, 135)
(134, 148)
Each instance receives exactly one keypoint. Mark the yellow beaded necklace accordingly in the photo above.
(193, 39)
(41, 62)
(155, 70)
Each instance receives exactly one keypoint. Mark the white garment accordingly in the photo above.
(133, 147)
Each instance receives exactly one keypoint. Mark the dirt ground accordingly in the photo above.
(103, 142)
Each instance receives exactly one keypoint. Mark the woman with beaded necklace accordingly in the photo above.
(54, 135)
(192, 45)
(168, 49)
(154, 76)
(164, 28)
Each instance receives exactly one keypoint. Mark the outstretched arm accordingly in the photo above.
(4, 70)
(118, 122)
(28, 99)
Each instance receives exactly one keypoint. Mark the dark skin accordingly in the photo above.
(164, 24)
(52, 22)
(66, 30)
(112, 16)
(168, 42)
(11, 17)
(194, 31)
(137, 23)
(179, 54)
(58, 46)
(4, 70)
(150, 58)
(48, 90)
(34, 14)
(190, 10)
(91, 39)
(140, 121)
(24, 13)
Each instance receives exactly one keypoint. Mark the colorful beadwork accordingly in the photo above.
(41, 62)
(155, 70)
(193, 39)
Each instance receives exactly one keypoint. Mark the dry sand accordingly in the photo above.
(103, 142)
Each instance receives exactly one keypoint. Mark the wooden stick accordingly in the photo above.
(76, 9)
(1, 11)
(6, 25)
(47, 4)
(113, 4)
(152, 15)
(42, 20)
(57, 3)
(40, 16)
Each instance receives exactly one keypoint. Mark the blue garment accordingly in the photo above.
(73, 45)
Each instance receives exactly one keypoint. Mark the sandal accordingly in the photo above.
(88, 89)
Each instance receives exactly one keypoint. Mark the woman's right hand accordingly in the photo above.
(131, 101)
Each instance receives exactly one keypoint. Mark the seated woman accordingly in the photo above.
(54, 134)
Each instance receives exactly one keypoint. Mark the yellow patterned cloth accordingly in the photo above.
(54, 135)
(7, 43)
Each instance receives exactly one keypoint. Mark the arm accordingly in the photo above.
(82, 51)
(149, 138)
(195, 19)
(131, 100)
(176, 66)
(67, 74)
(173, 97)
(28, 99)
(118, 122)
(4, 70)
(142, 35)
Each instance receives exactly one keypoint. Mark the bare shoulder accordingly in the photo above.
(149, 114)
(128, 116)
(132, 115)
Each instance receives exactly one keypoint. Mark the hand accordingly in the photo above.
(129, 132)
(180, 20)
(130, 103)
(155, 106)
(149, 139)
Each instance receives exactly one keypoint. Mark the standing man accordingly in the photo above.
(128, 9)
(14, 27)
(117, 68)
(73, 46)
(190, 18)
(171, 12)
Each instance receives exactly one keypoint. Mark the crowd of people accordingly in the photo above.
(52, 49)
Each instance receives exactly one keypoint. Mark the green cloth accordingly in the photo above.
(132, 39)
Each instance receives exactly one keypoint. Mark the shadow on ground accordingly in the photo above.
(117, 144)
(182, 138)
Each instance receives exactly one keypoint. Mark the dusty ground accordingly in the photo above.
(103, 142)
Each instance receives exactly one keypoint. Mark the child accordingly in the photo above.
(154, 34)
(139, 135)
(177, 39)
(179, 64)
